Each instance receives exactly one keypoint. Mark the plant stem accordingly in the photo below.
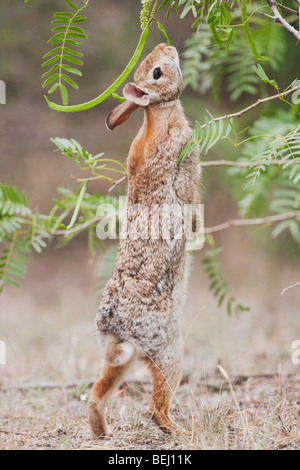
(259, 221)
(113, 87)
(253, 105)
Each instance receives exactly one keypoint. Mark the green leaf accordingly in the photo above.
(249, 35)
(54, 51)
(72, 59)
(226, 17)
(64, 94)
(264, 77)
(280, 228)
(79, 20)
(71, 5)
(70, 81)
(229, 40)
(76, 35)
(77, 29)
(77, 207)
(71, 70)
(61, 21)
(50, 61)
(50, 79)
(71, 51)
(63, 14)
(294, 230)
(55, 67)
(72, 42)
(162, 29)
(53, 88)
(55, 37)
(13, 282)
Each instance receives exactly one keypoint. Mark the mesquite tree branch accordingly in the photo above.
(271, 219)
(233, 222)
(247, 164)
(287, 9)
(279, 19)
(253, 105)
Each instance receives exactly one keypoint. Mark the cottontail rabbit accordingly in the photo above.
(138, 314)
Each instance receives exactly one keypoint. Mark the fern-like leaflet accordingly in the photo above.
(13, 263)
(13, 210)
(106, 268)
(97, 164)
(284, 148)
(218, 285)
(286, 199)
(20, 231)
(59, 58)
(203, 139)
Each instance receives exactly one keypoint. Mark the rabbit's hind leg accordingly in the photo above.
(166, 376)
(118, 357)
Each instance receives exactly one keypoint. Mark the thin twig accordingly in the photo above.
(213, 163)
(5, 431)
(72, 384)
(289, 287)
(117, 182)
(86, 224)
(246, 164)
(279, 19)
(287, 9)
(216, 228)
(46, 385)
(271, 219)
(253, 105)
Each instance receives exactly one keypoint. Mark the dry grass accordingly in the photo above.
(49, 337)
(268, 416)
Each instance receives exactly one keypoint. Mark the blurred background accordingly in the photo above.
(47, 324)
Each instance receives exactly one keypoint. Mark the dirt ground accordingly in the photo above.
(266, 416)
(52, 360)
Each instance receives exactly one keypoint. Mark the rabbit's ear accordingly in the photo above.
(137, 95)
(120, 114)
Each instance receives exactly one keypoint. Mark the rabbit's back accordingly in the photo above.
(142, 300)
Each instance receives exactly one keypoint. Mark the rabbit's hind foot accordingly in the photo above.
(166, 424)
(118, 356)
(166, 374)
(100, 393)
(97, 421)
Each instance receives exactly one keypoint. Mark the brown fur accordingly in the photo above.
(139, 310)
(100, 392)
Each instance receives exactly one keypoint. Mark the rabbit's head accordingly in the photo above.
(157, 80)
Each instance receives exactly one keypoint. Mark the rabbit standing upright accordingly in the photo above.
(139, 309)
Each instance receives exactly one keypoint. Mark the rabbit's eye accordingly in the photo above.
(157, 73)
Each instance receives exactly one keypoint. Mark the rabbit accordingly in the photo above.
(139, 310)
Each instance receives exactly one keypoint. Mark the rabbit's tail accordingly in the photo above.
(118, 354)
